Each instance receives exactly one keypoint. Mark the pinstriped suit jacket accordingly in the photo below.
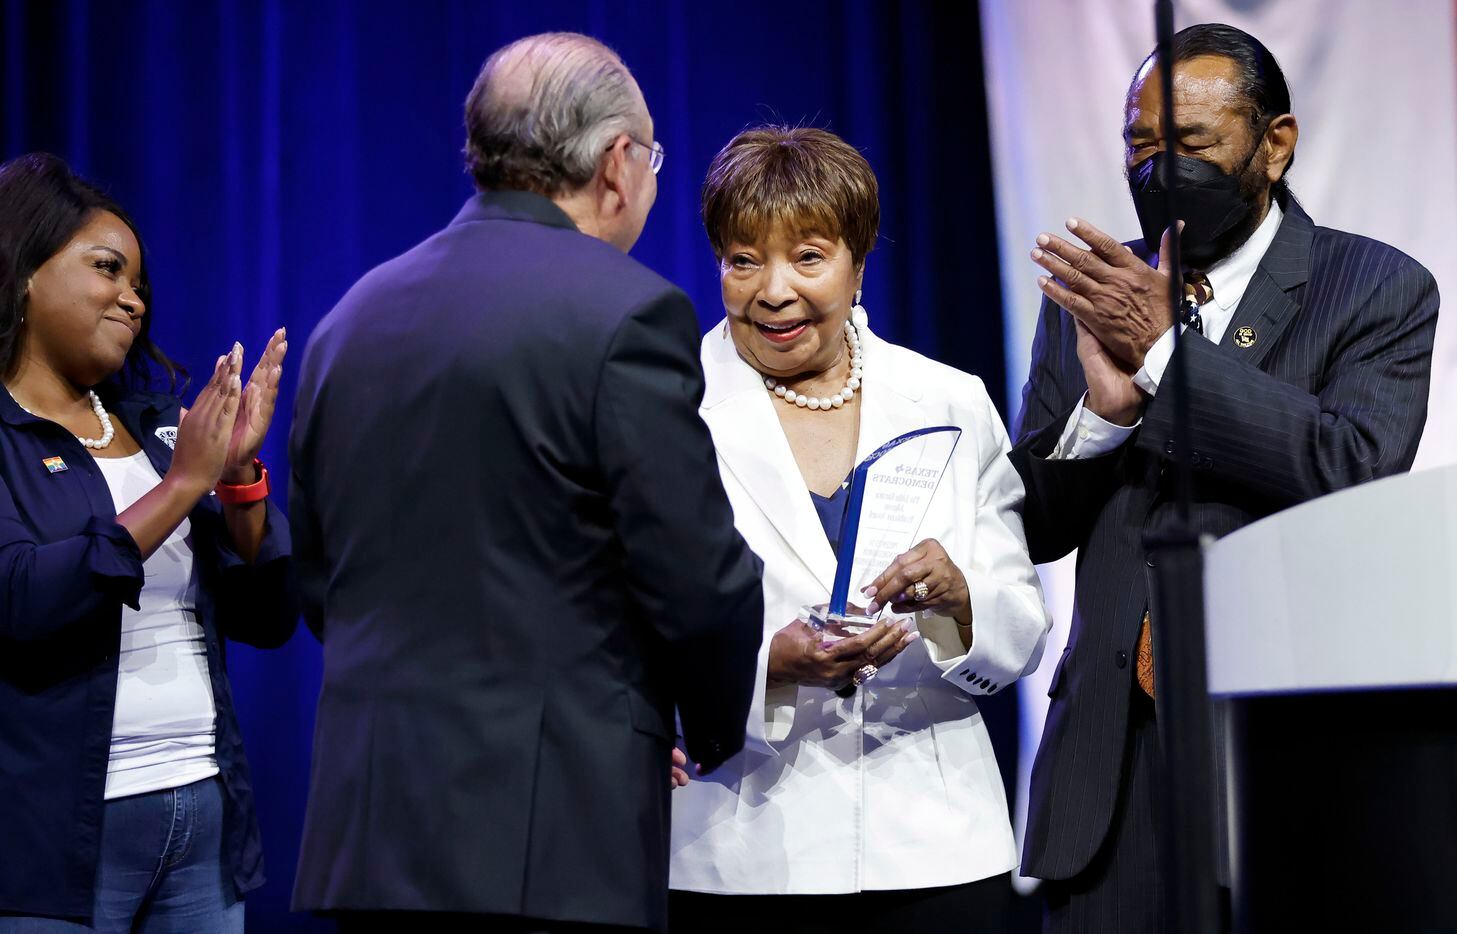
(1332, 392)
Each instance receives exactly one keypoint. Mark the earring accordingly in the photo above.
(857, 312)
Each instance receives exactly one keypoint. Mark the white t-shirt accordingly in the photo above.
(163, 734)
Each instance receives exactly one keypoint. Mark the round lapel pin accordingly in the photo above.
(1244, 336)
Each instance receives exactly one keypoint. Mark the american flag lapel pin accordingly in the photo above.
(55, 464)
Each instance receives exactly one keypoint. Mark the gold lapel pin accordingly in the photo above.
(1244, 336)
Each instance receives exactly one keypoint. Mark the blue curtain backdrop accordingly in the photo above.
(272, 152)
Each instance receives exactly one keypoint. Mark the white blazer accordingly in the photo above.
(896, 787)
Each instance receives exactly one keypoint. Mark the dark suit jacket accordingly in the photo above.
(517, 552)
(1332, 392)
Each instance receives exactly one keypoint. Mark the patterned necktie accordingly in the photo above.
(1143, 657)
(1197, 292)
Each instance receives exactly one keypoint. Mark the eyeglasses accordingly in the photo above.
(656, 153)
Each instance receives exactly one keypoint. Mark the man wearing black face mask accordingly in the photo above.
(1309, 355)
(1220, 208)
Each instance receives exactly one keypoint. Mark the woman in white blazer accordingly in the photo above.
(868, 797)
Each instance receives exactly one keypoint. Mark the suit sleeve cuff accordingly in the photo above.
(997, 648)
(942, 639)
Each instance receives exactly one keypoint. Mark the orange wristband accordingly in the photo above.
(240, 494)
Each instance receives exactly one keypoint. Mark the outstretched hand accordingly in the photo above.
(1112, 394)
(200, 455)
(255, 412)
(1119, 298)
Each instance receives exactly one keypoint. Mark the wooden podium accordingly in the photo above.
(1332, 638)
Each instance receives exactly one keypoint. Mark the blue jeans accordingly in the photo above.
(161, 869)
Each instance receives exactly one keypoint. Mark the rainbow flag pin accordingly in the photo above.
(55, 464)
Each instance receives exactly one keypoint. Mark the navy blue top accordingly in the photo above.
(831, 510)
(66, 569)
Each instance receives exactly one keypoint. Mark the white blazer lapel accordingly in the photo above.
(889, 398)
(740, 416)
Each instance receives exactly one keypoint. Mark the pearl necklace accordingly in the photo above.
(108, 430)
(857, 371)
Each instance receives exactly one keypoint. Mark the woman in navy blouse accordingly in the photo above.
(133, 540)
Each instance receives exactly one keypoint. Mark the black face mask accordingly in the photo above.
(1217, 208)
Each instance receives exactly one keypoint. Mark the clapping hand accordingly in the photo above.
(1118, 297)
(1112, 394)
(255, 413)
(201, 451)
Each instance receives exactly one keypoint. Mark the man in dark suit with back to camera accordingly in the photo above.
(513, 539)
(1308, 357)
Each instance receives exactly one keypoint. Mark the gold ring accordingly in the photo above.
(921, 591)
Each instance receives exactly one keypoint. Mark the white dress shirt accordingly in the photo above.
(1087, 434)
(896, 786)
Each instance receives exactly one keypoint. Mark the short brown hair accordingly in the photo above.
(809, 179)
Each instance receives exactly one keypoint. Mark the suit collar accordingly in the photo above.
(1268, 304)
(513, 206)
(746, 432)
(1230, 277)
(1287, 261)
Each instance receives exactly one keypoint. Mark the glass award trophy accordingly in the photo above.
(889, 494)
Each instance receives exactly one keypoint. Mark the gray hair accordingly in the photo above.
(543, 111)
